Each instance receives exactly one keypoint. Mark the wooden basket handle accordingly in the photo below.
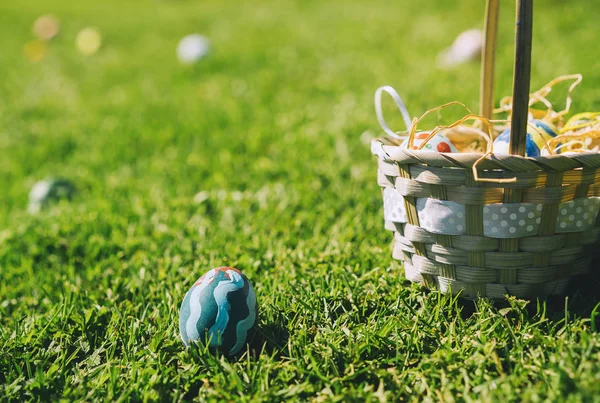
(522, 70)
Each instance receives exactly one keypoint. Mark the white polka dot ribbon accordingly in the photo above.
(511, 220)
(441, 217)
(393, 206)
(578, 215)
(506, 220)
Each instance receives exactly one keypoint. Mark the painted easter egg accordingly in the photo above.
(581, 131)
(538, 134)
(219, 310)
(581, 121)
(467, 139)
(49, 190)
(439, 143)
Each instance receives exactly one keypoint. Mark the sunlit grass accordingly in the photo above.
(257, 157)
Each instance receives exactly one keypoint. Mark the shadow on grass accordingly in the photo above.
(582, 300)
(271, 339)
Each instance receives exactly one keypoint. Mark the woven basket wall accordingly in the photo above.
(527, 238)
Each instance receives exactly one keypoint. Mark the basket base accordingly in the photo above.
(494, 291)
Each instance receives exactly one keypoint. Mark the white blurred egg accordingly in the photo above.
(467, 46)
(192, 48)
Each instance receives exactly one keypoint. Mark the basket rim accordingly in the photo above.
(387, 151)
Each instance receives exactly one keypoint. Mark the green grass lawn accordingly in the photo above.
(257, 157)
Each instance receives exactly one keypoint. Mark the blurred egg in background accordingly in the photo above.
(46, 27)
(88, 41)
(192, 48)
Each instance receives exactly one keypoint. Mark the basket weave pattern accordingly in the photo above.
(490, 250)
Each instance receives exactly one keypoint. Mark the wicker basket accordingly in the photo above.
(459, 229)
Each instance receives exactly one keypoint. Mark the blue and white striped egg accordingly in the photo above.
(538, 134)
(219, 310)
